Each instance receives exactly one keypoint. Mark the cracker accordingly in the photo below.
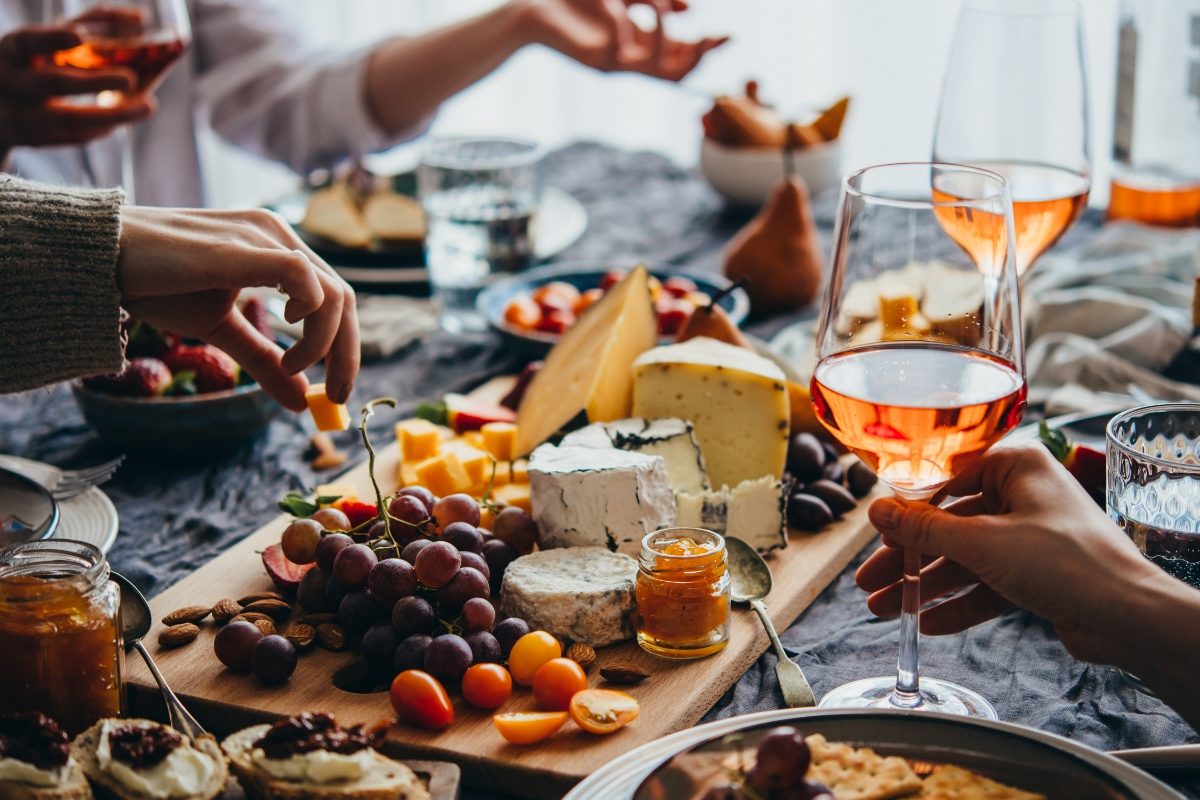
(955, 783)
(860, 773)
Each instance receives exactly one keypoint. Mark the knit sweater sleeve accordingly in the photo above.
(59, 302)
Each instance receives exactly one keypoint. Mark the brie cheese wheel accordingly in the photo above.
(673, 440)
(754, 511)
(585, 594)
(583, 496)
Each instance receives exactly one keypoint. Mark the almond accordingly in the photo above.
(177, 635)
(301, 635)
(252, 598)
(325, 461)
(331, 637)
(226, 609)
(624, 674)
(278, 609)
(582, 654)
(321, 443)
(266, 625)
(192, 614)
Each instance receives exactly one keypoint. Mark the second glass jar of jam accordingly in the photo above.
(682, 593)
(60, 633)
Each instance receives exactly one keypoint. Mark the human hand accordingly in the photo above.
(181, 270)
(1029, 536)
(601, 35)
(30, 83)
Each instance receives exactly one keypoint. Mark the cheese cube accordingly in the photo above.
(477, 463)
(328, 416)
(406, 473)
(443, 475)
(418, 439)
(500, 439)
(736, 400)
(514, 494)
(474, 438)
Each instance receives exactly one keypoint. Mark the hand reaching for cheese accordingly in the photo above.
(181, 270)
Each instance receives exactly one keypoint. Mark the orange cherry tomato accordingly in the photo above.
(419, 698)
(529, 653)
(522, 312)
(556, 682)
(528, 727)
(586, 300)
(486, 686)
(603, 710)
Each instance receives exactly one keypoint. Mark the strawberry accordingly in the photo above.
(284, 574)
(357, 511)
(212, 370)
(146, 341)
(1087, 464)
(142, 377)
(256, 313)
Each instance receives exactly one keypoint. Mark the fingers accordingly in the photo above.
(261, 358)
(20, 46)
(341, 365)
(926, 528)
(622, 47)
(54, 81)
(320, 328)
(957, 614)
(938, 579)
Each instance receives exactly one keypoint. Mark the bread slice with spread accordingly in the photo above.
(36, 762)
(136, 759)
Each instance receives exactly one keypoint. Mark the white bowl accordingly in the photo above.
(747, 175)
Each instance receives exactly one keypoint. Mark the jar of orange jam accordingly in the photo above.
(682, 593)
(60, 633)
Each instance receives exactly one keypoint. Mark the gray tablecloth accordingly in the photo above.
(175, 516)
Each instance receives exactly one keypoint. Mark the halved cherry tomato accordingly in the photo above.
(679, 286)
(529, 653)
(523, 312)
(486, 686)
(603, 710)
(527, 727)
(418, 697)
(556, 682)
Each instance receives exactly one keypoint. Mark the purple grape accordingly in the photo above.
(478, 614)
(358, 611)
(330, 545)
(410, 653)
(465, 584)
(456, 508)
(507, 631)
(498, 555)
(353, 564)
(484, 647)
(463, 536)
(390, 580)
(515, 526)
(379, 647)
(311, 594)
(427, 498)
(436, 564)
(805, 457)
(413, 615)
(409, 553)
(486, 534)
(234, 644)
(335, 590)
(476, 561)
(782, 758)
(273, 659)
(448, 657)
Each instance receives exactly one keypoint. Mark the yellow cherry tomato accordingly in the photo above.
(529, 653)
(528, 727)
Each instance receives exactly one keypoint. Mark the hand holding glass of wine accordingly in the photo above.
(920, 362)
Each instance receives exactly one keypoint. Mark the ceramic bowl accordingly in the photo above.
(746, 176)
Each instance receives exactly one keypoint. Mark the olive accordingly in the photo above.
(860, 479)
(833, 471)
(805, 457)
(808, 513)
(833, 494)
(831, 452)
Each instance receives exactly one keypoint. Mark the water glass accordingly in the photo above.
(1153, 456)
(481, 198)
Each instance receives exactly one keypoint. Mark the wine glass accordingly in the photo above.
(144, 36)
(920, 363)
(1015, 101)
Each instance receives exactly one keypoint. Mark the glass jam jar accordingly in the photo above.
(682, 593)
(60, 633)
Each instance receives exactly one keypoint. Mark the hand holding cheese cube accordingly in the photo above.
(328, 416)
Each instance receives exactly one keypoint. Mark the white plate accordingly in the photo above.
(88, 517)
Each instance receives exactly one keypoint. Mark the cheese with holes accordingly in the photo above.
(754, 511)
(588, 372)
(673, 440)
(736, 400)
(584, 594)
(588, 497)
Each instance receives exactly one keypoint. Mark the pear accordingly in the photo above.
(711, 321)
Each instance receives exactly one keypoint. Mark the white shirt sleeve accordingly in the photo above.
(265, 91)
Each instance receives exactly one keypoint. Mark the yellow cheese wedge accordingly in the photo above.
(736, 400)
(588, 371)
(514, 494)
(418, 439)
(443, 475)
(500, 439)
(328, 416)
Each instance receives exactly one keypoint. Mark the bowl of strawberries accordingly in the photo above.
(177, 395)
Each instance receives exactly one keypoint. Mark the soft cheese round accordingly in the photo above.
(580, 593)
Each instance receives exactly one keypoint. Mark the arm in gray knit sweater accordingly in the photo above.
(70, 260)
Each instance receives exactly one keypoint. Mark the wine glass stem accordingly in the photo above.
(908, 663)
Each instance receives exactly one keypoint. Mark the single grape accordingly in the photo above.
(354, 564)
(836, 496)
(484, 647)
(359, 611)
(437, 563)
(476, 561)
(466, 584)
(335, 590)
(860, 479)
(412, 615)
(514, 526)
(331, 544)
(805, 457)
(409, 553)
(411, 510)
(463, 536)
(300, 540)
(331, 519)
(426, 497)
(234, 644)
(273, 660)
(311, 594)
(498, 555)
(478, 614)
(507, 631)
(448, 657)
(379, 647)
(782, 758)
(410, 653)
(390, 580)
(456, 508)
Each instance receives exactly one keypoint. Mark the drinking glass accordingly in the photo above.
(481, 198)
(144, 36)
(1015, 102)
(920, 362)
(1153, 456)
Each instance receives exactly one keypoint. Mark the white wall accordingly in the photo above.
(888, 54)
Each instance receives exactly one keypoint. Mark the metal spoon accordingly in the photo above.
(135, 624)
(750, 580)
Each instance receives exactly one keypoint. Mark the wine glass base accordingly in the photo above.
(948, 698)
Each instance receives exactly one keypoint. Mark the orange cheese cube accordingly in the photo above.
(328, 416)
(519, 471)
(487, 517)
(500, 439)
(418, 439)
(474, 438)
(406, 474)
(514, 494)
(476, 462)
(443, 475)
